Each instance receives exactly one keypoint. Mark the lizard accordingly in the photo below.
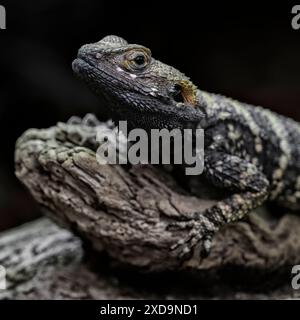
(249, 150)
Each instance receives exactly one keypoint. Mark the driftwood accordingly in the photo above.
(44, 261)
(126, 212)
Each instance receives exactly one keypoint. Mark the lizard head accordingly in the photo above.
(138, 87)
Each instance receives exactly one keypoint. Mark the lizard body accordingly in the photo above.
(251, 151)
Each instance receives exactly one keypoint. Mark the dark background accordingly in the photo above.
(243, 50)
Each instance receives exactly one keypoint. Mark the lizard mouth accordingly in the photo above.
(76, 65)
(88, 71)
(80, 66)
(84, 65)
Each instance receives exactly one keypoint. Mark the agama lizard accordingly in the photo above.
(251, 151)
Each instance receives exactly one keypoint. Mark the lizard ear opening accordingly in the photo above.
(184, 92)
(177, 93)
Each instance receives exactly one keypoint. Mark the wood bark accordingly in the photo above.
(123, 216)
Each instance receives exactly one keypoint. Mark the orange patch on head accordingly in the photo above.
(188, 92)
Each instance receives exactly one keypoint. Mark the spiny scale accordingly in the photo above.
(114, 41)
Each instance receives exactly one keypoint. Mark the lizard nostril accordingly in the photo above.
(98, 55)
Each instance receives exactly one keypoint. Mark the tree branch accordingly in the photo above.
(127, 212)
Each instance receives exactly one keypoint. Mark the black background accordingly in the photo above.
(245, 50)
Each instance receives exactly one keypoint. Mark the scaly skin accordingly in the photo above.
(249, 150)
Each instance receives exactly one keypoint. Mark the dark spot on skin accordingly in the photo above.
(177, 93)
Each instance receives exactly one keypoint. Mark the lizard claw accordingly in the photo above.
(198, 237)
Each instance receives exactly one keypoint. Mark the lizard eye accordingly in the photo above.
(137, 60)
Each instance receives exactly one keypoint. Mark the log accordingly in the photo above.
(126, 213)
(44, 261)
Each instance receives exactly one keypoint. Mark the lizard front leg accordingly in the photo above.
(250, 189)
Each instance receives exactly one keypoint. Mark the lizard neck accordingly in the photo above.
(150, 113)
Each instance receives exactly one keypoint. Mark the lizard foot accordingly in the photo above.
(199, 238)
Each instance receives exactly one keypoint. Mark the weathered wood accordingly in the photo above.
(33, 252)
(44, 261)
(127, 212)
